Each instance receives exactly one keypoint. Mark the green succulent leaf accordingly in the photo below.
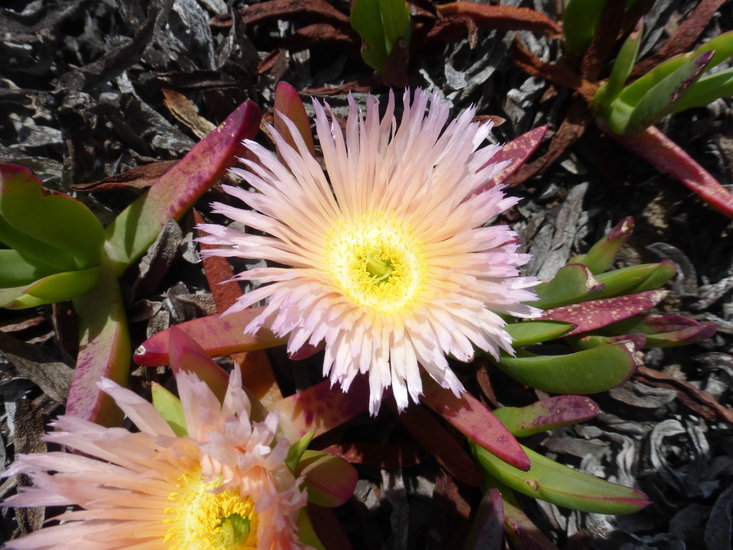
(637, 108)
(526, 333)
(552, 482)
(170, 408)
(579, 23)
(53, 231)
(306, 532)
(663, 331)
(380, 23)
(635, 279)
(600, 257)
(17, 270)
(547, 414)
(706, 90)
(589, 371)
(621, 69)
(58, 221)
(296, 451)
(571, 284)
(56, 287)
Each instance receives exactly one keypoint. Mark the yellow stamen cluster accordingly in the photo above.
(201, 519)
(376, 261)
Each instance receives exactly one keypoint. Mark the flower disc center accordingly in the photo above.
(202, 519)
(376, 262)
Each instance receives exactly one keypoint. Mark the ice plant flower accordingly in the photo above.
(224, 486)
(384, 255)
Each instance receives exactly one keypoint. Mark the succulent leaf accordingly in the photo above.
(547, 414)
(547, 480)
(589, 371)
(330, 480)
(570, 285)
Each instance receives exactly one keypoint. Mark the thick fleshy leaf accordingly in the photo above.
(330, 480)
(595, 314)
(665, 330)
(636, 278)
(104, 351)
(547, 480)
(589, 371)
(471, 417)
(660, 151)
(380, 23)
(35, 251)
(296, 451)
(170, 408)
(135, 229)
(319, 409)
(64, 286)
(516, 152)
(622, 66)
(58, 221)
(570, 285)
(547, 414)
(216, 335)
(634, 111)
(579, 22)
(289, 105)
(600, 257)
(487, 527)
(589, 341)
(187, 355)
(526, 333)
(18, 270)
(706, 90)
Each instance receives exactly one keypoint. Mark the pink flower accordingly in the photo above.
(384, 255)
(223, 486)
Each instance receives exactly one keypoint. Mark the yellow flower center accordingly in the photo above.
(376, 261)
(201, 519)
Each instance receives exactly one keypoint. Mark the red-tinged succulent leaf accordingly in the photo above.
(217, 335)
(571, 284)
(471, 417)
(596, 314)
(516, 152)
(130, 234)
(320, 408)
(660, 151)
(487, 528)
(330, 480)
(600, 257)
(289, 105)
(428, 432)
(104, 351)
(665, 330)
(555, 483)
(55, 229)
(547, 414)
(306, 351)
(507, 18)
(589, 371)
(187, 355)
